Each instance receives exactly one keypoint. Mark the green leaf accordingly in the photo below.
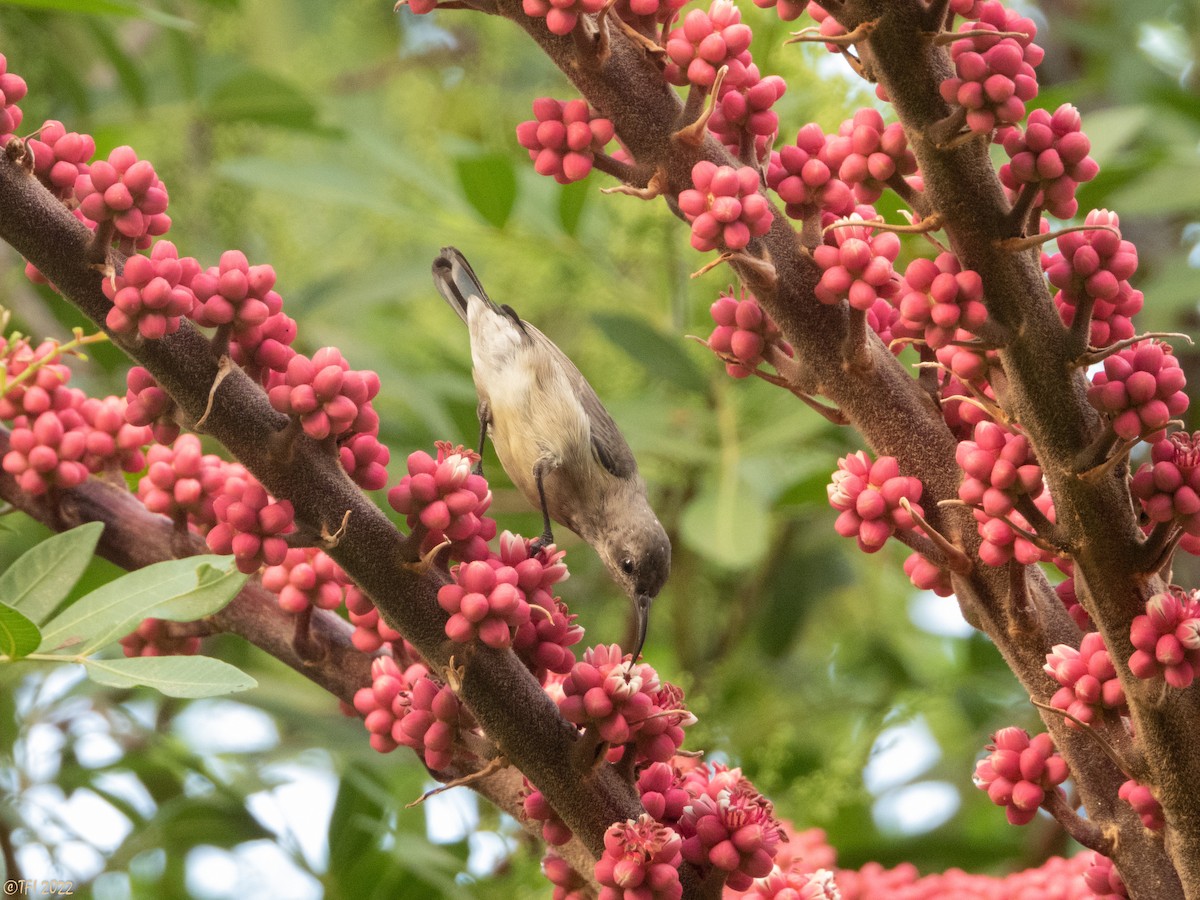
(316, 182)
(257, 96)
(106, 8)
(1112, 130)
(489, 183)
(180, 590)
(651, 349)
(43, 576)
(727, 523)
(18, 636)
(571, 201)
(175, 676)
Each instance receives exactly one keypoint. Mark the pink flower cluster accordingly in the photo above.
(866, 154)
(994, 76)
(113, 445)
(326, 395)
(939, 299)
(707, 41)
(446, 499)
(859, 268)
(234, 293)
(560, 15)
(728, 826)
(743, 333)
(152, 293)
(1091, 271)
(483, 603)
(805, 177)
(1103, 879)
(127, 192)
(725, 206)
(40, 391)
(563, 138)
(1051, 155)
(998, 468)
(1019, 772)
(306, 578)
(640, 861)
(1169, 485)
(178, 480)
(12, 91)
(59, 156)
(535, 806)
(250, 524)
(1141, 388)
(868, 495)
(1166, 638)
(625, 701)
(744, 111)
(1139, 796)
(370, 630)
(45, 454)
(1088, 677)
(148, 404)
(544, 641)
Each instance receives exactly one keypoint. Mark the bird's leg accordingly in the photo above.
(484, 412)
(540, 468)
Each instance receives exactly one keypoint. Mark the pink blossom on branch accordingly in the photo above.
(725, 206)
(12, 91)
(640, 862)
(152, 294)
(1019, 772)
(705, 42)
(1141, 388)
(560, 15)
(1052, 155)
(868, 495)
(744, 332)
(858, 269)
(564, 137)
(60, 156)
(127, 192)
(1166, 638)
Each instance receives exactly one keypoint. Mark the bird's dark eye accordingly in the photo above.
(627, 566)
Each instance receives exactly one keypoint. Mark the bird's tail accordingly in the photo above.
(457, 282)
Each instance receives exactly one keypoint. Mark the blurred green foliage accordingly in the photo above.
(345, 144)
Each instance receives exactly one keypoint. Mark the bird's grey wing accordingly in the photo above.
(608, 444)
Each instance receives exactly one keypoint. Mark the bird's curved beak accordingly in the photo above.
(641, 614)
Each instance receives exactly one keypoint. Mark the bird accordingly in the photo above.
(556, 440)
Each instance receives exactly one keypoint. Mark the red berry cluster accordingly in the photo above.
(48, 452)
(151, 294)
(1091, 271)
(1169, 485)
(12, 91)
(858, 269)
(725, 206)
(705, 42)
(1141, 388)
(743, 333)
(1019, 772)
(483, 603)
(1088, 677)
(307, 577)
(1149, 810)
(113, 445)
(153, 637)
(939, 300)
(564, 137)
(263, 349)
(235, 294)
(1103, 879)
(1051, 154)
(39, 391)
(619, 698)
(994, 76)
(866, 154)
(370, 630)
(326, 395)
(59, 156)
(743, 112)
(380, 704)
(174, 483)
(868, 495)
(535, 806)
(560, 15)
(430, 721)
(805, 177)
(127, 192)
(250, 524)
(447, 500)
(998, 468)
(640, 861)
(1166, 638)
(148, 404)
(729, 826)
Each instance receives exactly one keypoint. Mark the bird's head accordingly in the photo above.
(637, 554)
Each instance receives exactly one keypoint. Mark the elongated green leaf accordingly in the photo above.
(727, 523)
(651, 349)
(489, 183)
(180, 590)
(39, 580)
(571, 200)
(257, 96)
(18, 636)
(175, 676)
(107, 8)
(316, 181)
